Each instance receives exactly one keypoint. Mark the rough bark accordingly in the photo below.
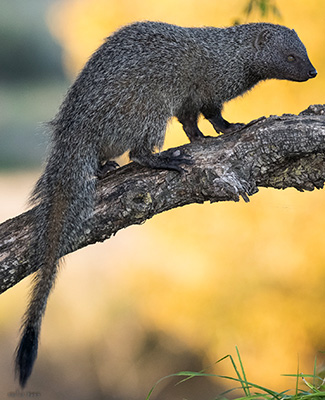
(278, 152)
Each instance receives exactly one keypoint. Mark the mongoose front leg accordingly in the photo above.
(219, 123)
(171, 159)
(190, 127)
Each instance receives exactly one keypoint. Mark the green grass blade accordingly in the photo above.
(203, 371)
(315, 369)
(253, 391)
(312, 396)
(246, 387)
(191, 374)
(297, 381)
(240, 379)
(301, 375)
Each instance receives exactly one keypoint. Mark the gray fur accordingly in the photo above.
(143, 75)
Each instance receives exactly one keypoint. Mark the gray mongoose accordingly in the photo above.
(142, 76)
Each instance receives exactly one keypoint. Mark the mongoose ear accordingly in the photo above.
(261, 39)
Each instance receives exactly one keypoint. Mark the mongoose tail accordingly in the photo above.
(63, 203)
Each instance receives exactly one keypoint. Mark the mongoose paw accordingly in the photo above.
(104, 170)
(199, 139)
(232, 128)
(175, 158)
(171, 159)
(239, 126)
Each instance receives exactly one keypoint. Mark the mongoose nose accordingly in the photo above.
(312, 73)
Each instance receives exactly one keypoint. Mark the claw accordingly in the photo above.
(103, 170)
(174, 158)
(171, 159)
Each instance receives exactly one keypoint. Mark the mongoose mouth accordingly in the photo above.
(311, 74)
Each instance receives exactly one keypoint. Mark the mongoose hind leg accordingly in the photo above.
(170, 159)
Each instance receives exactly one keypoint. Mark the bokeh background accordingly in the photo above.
(181, 291)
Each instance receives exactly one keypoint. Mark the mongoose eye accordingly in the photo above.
(291, 58)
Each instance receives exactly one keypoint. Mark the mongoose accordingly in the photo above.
(142, 75)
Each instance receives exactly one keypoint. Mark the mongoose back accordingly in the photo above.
(141, 76)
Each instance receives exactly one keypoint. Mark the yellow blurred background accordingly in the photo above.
(183, 290)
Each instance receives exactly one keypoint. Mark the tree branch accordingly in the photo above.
(278, 152)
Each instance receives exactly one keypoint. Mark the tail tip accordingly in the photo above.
(26, 355)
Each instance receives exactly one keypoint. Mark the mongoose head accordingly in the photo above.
(281, 55)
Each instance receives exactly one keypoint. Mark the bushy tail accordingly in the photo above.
(64, 196)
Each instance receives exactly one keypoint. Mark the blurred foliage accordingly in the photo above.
(25, 106)
(179, 292)
(32, 81)
(262, 7)
(27, 51)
